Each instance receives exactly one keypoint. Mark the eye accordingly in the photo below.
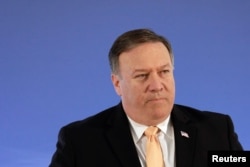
(165, 71)
(141, 76)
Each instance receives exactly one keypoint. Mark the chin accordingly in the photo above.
(160, 106)
(161, 112)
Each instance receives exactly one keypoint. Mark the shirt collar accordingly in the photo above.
(138, 129)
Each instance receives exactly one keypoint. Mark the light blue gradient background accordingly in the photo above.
(54, 67)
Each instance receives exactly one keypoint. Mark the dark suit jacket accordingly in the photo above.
(105, 139)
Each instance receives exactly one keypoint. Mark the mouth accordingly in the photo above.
(156, 100)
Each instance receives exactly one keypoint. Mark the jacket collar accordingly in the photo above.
(120, 139)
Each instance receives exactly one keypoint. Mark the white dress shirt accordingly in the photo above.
(165, 136)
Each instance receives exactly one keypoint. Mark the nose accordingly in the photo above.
(155, 83)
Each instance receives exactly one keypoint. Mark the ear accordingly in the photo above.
(116, 83)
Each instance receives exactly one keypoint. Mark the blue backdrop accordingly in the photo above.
(54, 67)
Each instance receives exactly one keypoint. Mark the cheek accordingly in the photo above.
(170, 87)
(170, 83)
(125, 89)
(133, 93)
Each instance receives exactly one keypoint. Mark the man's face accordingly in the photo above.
(146, 83)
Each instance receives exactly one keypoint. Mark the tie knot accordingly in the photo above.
(151, 131)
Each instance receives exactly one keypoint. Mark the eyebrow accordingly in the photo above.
(146, 70)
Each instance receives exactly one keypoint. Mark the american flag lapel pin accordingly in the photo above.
(184, 134)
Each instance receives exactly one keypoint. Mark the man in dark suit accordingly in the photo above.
(142, 74)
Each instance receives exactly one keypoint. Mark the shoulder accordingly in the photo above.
(217, 127)
(197, 115)
(94, 121)
(95, 126)
(75, 132)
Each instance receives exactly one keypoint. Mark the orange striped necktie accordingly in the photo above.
(154, 157)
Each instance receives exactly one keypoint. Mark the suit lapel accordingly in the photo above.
(185, 138)
(119, 137)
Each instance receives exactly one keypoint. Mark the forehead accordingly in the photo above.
(146, 55)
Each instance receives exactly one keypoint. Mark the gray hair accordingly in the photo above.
(130, 40)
